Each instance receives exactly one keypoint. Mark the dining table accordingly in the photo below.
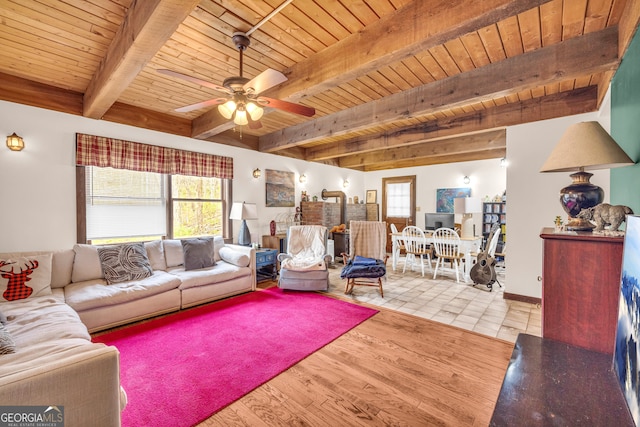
(468, 245)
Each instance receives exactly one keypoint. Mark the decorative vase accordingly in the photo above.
(272, 227)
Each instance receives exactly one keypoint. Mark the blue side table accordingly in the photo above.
(266, 264)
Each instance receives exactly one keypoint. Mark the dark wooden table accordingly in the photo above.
(551, 383)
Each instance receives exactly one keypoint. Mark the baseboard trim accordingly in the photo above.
(521, 298)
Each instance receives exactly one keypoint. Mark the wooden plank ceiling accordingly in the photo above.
(394, 83)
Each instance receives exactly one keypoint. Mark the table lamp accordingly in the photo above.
(467, 206)
(584, 145)
(244, 211)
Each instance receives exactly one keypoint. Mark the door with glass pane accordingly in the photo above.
(398, 202)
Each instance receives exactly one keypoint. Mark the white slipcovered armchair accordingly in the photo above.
(305, 265)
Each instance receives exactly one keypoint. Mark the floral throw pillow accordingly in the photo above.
(25, 277)
(121, 263)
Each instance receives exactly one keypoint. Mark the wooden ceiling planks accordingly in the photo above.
(62, 44)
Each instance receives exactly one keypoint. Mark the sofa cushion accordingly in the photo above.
(25, 277)
(234, 257)
(125, 262)
(97, 294)
(218, 243)
(86, 264)
(155, 252)
(198, 253)
(221, 272)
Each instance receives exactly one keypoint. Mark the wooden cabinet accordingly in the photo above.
(493, 212)
(581, 288)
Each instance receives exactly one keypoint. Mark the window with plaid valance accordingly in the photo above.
(99, 151)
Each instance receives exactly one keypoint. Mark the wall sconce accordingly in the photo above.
(466, 179)
(15, 142)
(256, 173)
(503, 162)
(345, 184)
(302, 179)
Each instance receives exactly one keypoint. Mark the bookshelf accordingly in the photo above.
(493, 212)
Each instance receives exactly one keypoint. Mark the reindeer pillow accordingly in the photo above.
(25, 277)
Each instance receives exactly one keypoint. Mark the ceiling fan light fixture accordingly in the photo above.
(227, 109)
(241, 117)
(254, 111)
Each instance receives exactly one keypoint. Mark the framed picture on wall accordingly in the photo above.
(445, 196)
(280, 188)
(371, 196)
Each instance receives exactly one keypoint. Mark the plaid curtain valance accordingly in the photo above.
(99, 151)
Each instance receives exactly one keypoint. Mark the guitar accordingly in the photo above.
(483, 271)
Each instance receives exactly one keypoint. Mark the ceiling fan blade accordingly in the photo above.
(253, 124)
(194, 80)
(187, 108)
(265, 80)
(287, 106)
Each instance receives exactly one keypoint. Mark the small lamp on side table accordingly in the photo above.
(467, 206)
(244, 211)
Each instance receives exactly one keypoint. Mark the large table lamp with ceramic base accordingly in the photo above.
(584, 145)
(244, 211)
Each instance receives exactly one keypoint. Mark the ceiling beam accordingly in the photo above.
(547, 107)
(442, 147)
(590, 53)
(394, 37)
(146, 27)
(440, 160)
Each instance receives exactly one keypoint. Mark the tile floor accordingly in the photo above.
(443, 300)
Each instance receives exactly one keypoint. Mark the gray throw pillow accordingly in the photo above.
(121, 263)
(198, 253)
(7, 345)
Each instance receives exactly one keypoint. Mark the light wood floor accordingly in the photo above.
(393, 369)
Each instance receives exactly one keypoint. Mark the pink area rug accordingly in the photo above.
(180, 369)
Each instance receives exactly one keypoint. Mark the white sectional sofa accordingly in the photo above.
(54, 361)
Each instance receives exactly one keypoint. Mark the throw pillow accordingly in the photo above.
(234, 257)
(155, 252)
(86, 264)
(173, 253)
(7, 345)
(198, 253)
(121, 263)
(25, 277)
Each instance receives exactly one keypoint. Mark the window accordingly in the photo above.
(124, 205)
(197, 206)
(399, 199)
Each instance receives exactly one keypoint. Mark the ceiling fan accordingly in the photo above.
(244, 104)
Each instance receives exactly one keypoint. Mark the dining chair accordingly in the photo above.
(446, 243)
(400, 245)
(416, 245)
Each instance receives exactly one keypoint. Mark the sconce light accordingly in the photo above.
(466, 180)
(345, 184)
(14, 142)
(302, 179)
(503, 162)
(256, 173)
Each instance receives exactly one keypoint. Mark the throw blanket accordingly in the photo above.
(362, 267)
(368, 239)
(306, 248)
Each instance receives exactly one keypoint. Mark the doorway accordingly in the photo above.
(398, 202)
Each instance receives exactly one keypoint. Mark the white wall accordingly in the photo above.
(487, 179)
(37, 184)
(37, 190)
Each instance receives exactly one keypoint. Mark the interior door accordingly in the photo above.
(398, 202)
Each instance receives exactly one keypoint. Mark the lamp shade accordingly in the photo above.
(242, 210)
(467, 205)
(585, 145)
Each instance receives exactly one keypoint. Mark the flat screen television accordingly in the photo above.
(433, 221)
